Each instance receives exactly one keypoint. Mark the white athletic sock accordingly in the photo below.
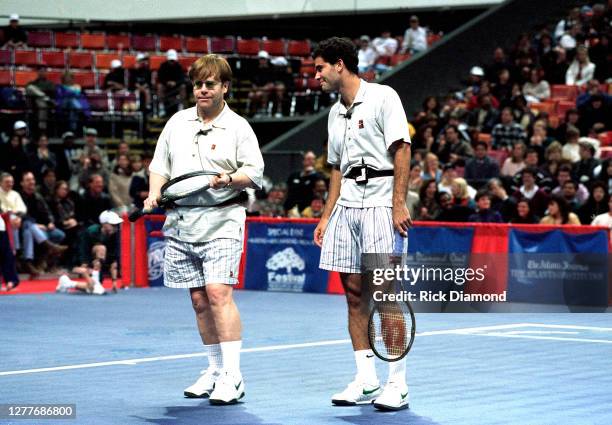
(230, 351)
(366, 368)
(95, 275)
(397, 371)
(215, 360)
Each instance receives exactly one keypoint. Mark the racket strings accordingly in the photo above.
(188, 186)
(390, 329)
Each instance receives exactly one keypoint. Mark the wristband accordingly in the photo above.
(229, 183)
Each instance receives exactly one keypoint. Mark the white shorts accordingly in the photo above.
(355, 231)
(193, 265)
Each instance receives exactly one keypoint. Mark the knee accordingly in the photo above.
(353, 300)
(219, 295)
(199, 303)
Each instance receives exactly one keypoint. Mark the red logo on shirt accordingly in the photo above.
(212, 147)
(360, 124)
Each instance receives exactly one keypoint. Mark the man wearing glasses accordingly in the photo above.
(204, 244)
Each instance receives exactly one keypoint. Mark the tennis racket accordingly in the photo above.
(181, 187)
(392, 325)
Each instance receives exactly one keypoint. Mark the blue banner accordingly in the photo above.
(558, 268)
(156, 248)
(283, 257)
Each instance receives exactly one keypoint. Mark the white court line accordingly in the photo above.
(588, 328)
(548, 338)
(131, 362)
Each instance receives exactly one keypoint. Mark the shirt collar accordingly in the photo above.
(220, 120)
(359, 97)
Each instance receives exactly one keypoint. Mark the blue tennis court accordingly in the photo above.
(126, 358)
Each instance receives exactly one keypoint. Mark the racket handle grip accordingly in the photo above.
(137, 214)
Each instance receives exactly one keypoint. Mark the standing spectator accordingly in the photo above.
(115, 79)
(559, 212)
(15, 36)
(481, 168)
(94, 201)
(64, 212)
(119, 184)
(484, 213)
(267, 87)
(581, 69)
(301, 183)
(171, 90)
(516, 162)
(42, 158)
(536, 89)
(524, 215)
(597, 203)
(366, 55)
(538, 199)
(140, 80)
(41, 91)
(507, 132)
(415, 37)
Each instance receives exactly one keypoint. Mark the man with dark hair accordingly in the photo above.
(369, 149)
(94, 201)
(481, 168)
(564, 173)
(538, 199)
(301, 183)
(507, 132)
(584, 169)
(484, 213)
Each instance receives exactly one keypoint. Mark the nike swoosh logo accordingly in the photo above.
(238, 386)
(404, 395)
(366, 392)
(369, 356)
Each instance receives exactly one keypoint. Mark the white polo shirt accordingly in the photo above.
(377, 119)
(230, 146)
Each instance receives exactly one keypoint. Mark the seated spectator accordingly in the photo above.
(41, 92)
(569, 40)
(321, 165)
(599, 55)
(596, 204)
(569, 190)
(596, 111)
(515, 162)
(523, 214)
(484, 90)
(584, 170)
(556, 71)
(171, 85)
(531, 161)
(481, 168)
(67, 155)
(507, 132)
(415, 37)
(115, 79)
(564, 25)
(8, 271)
(301, 183)
(499, 62)
(502, 90)
(385, 46)
(93, 202)
(72, 105)
(38, 226)
(571, 149)
(449, 174)
(15, 36)
(484, 213)
(47, 185)
(538, 199)
(42, 158)
(484, 116)
(123, 148)
(559, 212)
(500, 201)
(593, 88)
(456, 150)
(268, 86)
(581, 70)
(320, 189)
(536, 89)
(427, 208)
(450, 212)
(415, 180)
(315, 210)
(522, 112)
(604, 219)
(119, 184)
(13, 157)
(431, 169)
(462, 193)
(140, 80)
(475, 80)
(366, 55)
(98, 254)
(92, 146)
(139, 186)
(564, 174)
(603, 173)
(12, 203)
(64, 212)
(272, 206)
(21, 131)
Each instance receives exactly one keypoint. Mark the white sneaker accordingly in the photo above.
(393, 397)
(228, 389)
(203, 386)
(357, 392)
(98, 289)
(62, 284)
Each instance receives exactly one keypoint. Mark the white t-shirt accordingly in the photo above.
(385, 46)
(605, 220)
(377, 120)
(230, 146)
(366, 56)
(415, 39)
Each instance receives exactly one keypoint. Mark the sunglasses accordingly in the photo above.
(209, 84)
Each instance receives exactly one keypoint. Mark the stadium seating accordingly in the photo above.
(155, 61)
(103, 60)
(53, 58)
(118, 42)
(144, 43)
(6, 78)
(5, 57)
(26, 57)
(86, 79)
(222, 44)
(298, 48)
(82, 60)
(186, 61)
(55, 76)
(40, 38)
(23, 77)
(166, 43)
(274, 47)
(65, 40)
(248, 47)
(96, 41)
(196, 44)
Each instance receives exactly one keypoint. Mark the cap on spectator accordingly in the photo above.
(110, 217)
(414, 18)
(91, 132)
(263, 54)
(279, 61)
(14, 17)
(171, 55)
(115, 63)
(141, 56)
(364, 38)
(68, 135)
(586, 10)
(19, 125)
(476, 70)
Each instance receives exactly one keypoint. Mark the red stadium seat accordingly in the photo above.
(307, 67)
(64, 40)
(606, 152)
(129, 61)
(103, 60)
(550, 107)
(398, 58)
(86, 79)
(26, 57)
(368, 76)
(166, 43)
(274, 47)
(53, 58)
(155, 61)
(95, 41)
(55, 76)
(5, 57)
(144, 43)
(248, 47)
(101, 76)
(300, 84)
(313, 84)
(298, 48)
(118, 42)
(83, 60)
(23, 77)
(563, 106)
(563, 92)
(5, 77)
(222, 44)
(123, 98)
(186, 61)
(197, 44)
(484, 137)
(99, 101)
(432, 39)
(40, 38)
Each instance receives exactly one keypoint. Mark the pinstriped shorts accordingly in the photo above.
(193, 265)
(355, 231)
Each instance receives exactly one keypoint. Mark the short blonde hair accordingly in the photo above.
(211, 65)
(462, 186)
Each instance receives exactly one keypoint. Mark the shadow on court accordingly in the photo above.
(369, 415)
(205, 413)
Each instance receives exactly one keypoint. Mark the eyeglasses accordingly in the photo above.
(209, 84)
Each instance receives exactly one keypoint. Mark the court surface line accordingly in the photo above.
(132, 362)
